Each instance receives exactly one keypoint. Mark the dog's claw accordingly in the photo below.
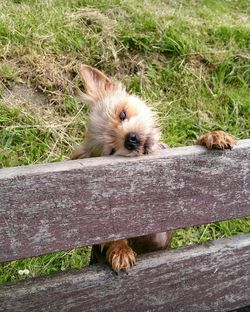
(217, 139)
(120, 257)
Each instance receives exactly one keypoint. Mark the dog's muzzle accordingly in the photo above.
(132, 141)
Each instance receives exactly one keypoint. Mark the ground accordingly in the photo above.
(189, 59)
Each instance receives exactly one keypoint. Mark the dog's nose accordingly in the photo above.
(132, 141)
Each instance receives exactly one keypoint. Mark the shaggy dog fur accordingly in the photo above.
(122, 124)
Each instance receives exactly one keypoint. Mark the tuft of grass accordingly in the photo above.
(208, 232)
(44, 137)
(8, 74)
(189, 60)
(44, 265)
(236, 36)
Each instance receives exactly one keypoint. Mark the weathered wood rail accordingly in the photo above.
(59, 206)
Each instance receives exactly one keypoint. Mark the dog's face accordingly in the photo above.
(119, 123)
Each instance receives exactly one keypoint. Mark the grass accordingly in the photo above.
(190, 59)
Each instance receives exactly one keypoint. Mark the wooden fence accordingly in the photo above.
(58, 206)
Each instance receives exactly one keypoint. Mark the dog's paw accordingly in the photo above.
(120, 256)
(217, 140)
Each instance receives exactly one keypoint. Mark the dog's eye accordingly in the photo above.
(122, 116)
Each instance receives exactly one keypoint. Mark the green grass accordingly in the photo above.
(191, 60)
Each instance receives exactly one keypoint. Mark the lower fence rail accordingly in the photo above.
(208, 277)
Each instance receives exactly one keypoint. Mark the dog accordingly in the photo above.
(122, 124)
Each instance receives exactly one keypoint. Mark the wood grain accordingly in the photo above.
(58, 206)
(213, 277)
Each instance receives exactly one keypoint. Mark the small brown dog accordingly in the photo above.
(122, 124)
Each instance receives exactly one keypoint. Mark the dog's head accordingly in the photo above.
(119, 123)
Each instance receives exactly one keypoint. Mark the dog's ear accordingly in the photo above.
(96, 82)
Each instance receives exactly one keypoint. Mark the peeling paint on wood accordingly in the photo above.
(58, 206)
(212, 277)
